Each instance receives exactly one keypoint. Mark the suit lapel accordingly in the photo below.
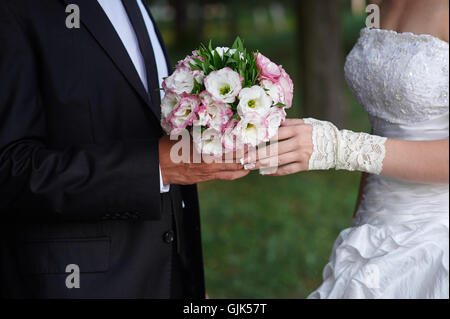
(95, 20)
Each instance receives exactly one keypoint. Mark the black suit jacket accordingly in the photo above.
(79, 164)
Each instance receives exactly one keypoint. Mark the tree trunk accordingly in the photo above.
(200, 23)
(321, 60)
(181, 22)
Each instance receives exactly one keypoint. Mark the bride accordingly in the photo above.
(398, 246)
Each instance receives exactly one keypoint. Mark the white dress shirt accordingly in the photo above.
(118, 16)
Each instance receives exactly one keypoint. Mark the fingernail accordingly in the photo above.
(267, 171)
(249, 166)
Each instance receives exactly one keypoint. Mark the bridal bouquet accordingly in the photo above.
(227, 98)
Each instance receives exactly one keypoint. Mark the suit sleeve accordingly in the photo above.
(81, 182)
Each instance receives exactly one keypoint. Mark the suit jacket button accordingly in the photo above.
(168, 237)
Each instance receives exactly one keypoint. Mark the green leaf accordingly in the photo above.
(210, 46)
(238, 44)
(195, 67)
(217, 60)
(236, 117)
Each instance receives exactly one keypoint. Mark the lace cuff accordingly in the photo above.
(345, 149)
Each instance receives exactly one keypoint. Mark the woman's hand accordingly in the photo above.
(298, 149)
(291, 154)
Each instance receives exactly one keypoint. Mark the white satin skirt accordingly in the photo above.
(398, 247)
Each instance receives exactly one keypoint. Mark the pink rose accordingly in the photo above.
(287, 87)
(269, 70)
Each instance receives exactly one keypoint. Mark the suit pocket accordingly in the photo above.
(52, 256)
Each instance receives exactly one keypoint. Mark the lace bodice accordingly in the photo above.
(401, 78)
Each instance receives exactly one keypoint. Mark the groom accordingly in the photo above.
(90, 202)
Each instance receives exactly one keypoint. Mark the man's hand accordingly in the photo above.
(192, 173)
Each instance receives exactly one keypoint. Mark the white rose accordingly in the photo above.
(181, 81)
(224, 85)
(254, 99)
(252, 129)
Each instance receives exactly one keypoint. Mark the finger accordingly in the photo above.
(213, 167)
(292, 122)
(289, 169)
(276, 161)
(228, 166)
(272, 150)
(230, 175)
(283, 133)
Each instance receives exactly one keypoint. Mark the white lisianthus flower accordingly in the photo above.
(213, 114)
(274, 119)
(169, 103)
(181, 81)
(252, 129)
(274, 90)
(222, 50)
(166, 125)
(185, 113)
(232, 138)
(252, 100)
(199, 76)
(187, 61)
(210, 142)
(224, 85)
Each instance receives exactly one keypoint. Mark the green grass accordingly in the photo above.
(269, 237)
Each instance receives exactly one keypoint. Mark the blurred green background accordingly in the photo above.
(270, 237)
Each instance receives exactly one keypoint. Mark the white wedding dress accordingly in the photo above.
(398, 245)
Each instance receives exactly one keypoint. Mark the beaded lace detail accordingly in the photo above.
(324, 137)
(360, 152)
(345, 150)
(402, 78)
